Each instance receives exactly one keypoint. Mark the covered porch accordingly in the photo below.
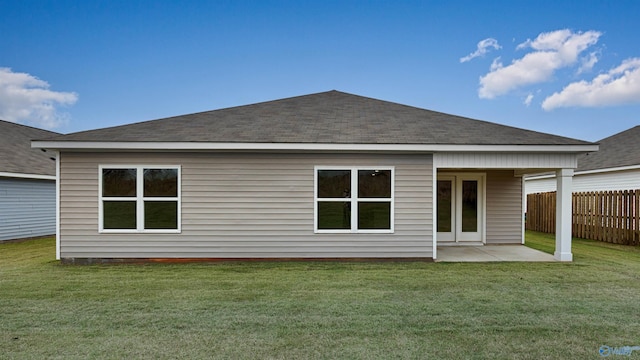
(480, 206)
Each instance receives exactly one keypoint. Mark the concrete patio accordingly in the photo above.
(489, 253)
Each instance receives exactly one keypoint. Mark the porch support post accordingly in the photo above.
(563, 215)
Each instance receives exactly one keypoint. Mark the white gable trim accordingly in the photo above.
(191, 146)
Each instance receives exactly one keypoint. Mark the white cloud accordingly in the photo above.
(588, 62)
(620, 85)
(528, 99)
(27, 99)
(553, 50)
(496, 64)
(483, 47)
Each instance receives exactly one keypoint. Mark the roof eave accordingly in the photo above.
(586, 172)
(237, 146)
(26, 176)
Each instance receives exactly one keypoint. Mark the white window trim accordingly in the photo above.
(139, 199)
(354, 199)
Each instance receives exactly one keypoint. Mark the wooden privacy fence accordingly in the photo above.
(541, 212)
(609, 216)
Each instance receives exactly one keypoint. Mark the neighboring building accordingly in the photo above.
(27, 183)
(327, 175)
(616, 166)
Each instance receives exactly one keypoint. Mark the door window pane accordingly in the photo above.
(469, 206)
(334, 184)
(334, 215)
(374, 215)
(444, 205)
(119, 182)
(160, 215)
(161, 182)
(119, 214)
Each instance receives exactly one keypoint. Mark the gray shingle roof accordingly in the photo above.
(621, 149)
(16, 154)
(331, 117)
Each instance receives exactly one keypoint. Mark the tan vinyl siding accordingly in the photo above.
(504, 208)
(243, 205)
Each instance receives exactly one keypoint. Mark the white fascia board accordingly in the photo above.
(596, 171)
(27, 176)
(196, 146)
(587, 172)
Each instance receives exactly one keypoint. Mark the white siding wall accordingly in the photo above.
(246, 206)
(27, 208)
(504, 208)
(617, 180)
(540, 185)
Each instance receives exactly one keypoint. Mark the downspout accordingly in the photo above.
(57, 205)
(523, 194)
(434, 201)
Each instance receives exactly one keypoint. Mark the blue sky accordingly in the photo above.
(566, 67)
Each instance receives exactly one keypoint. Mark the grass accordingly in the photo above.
(320, 310)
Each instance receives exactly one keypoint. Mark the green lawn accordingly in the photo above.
(326, 310)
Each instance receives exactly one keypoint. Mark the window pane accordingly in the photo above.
(119, 214)
(160, 214)
(374, 215)
(334, 215)
(119, 182)
(469, 206)
(334, 183)
(444, 205)
(374, 183)
(161, 182)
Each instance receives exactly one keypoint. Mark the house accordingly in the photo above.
(27, 184)
(616, 166)
(326, 175)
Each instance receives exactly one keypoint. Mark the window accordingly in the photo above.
(139, 199)
(354, 199)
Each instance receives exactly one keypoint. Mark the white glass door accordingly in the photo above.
(460, 202)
